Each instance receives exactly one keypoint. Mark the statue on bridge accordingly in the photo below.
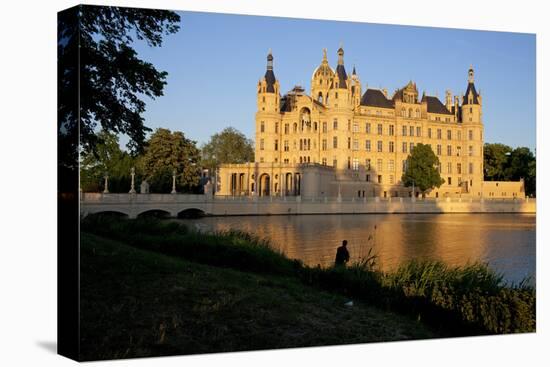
(144, 187)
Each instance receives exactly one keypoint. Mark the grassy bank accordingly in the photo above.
(442, 301)
(138, 303)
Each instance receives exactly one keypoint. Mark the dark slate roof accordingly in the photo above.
(270, 80)
(342, 76)
(435, 105)
(472, 88)
(375, 97)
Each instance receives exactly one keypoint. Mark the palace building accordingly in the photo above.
(341, 141)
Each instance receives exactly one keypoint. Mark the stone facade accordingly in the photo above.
(339, 141)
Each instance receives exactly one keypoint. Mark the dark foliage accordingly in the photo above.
(101, 79)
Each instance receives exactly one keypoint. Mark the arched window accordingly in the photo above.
(315, 126)
(403, 112)
(295, 127)
(410, 113)
(417, 113)
(326, 99)
(320, 98)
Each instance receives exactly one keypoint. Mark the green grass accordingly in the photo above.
(138, 303)
(451, 301)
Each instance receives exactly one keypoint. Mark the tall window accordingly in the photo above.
(392, 180)
(404, 147)
(276, 144)
(439, 133)
(277, 127)
(459, 168)
(470, 168)
(438, 149)
(404, 131)
(325, 127)
(411, 130)
(261, 144)
(324, 144)
(470, 135)
(355, 144)
(470, 150)
(430, 132)
(367, 128)
(286, 128)
(367, 145)
(355, 164)
(262, 127)
(335, 124)
(391, 147)
(405, 165)
(449, 150)
(349, 143)
(367, 164)
(459, 135)
(379, 146)
(334, 162)
(379, 165)
(355, 127)
(449, 168)
(458, 151)
(418, 131)
(391, 165)
(449, 135)
(286, 148)
(379, 129)
(411, 147)
(391, 130)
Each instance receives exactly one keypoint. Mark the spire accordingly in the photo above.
(353, 72)
(269, 60)
(325, 60)
(269, 75)
(471, 96)
(340, 55)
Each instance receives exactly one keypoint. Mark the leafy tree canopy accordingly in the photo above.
(165, 152)
(502, 163)
(110, 160)
(422, 169)
(228, 146)
(97, 65)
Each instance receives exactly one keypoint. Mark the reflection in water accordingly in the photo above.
(505, 241)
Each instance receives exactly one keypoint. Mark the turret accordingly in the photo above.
(268, 89)
(471, 101)
(340, 92)
(355, 88)
(321, 80)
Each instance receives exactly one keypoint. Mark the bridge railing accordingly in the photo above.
(91, 198)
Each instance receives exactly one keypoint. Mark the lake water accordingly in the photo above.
(505, 241)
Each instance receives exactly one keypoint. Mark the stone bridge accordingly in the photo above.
(183, 205)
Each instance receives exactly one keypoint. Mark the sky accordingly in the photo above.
(215, 61)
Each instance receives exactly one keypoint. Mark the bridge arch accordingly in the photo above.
(156, 213)
(108, 212)
(191, 213)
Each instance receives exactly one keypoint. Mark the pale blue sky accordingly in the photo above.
(215, 61)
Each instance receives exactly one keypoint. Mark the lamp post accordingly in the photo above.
(174, 182)
(133, 174)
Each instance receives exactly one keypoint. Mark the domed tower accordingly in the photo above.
(471, 117)
(321, 79)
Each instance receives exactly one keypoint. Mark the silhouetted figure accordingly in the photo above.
(342, 254)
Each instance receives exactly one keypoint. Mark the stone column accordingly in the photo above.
(174, 182)
(132, 187)
(106, 189)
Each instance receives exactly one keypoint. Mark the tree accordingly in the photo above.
(495, 158)
(101, 81)
(421, 169)
(165, 152)
(228, 146)
(107, 159)
(522, 164)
